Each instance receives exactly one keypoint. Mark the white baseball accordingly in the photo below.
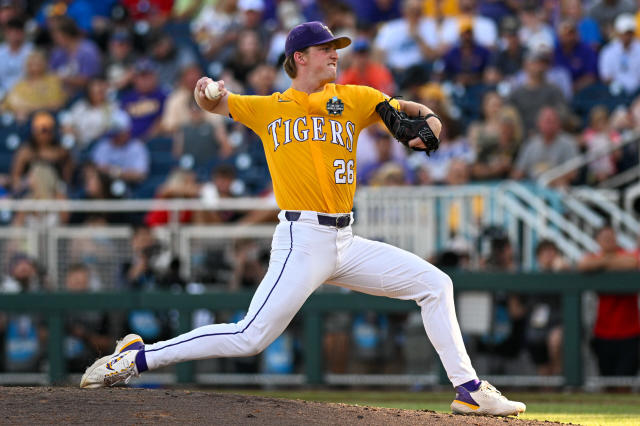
(212, 91)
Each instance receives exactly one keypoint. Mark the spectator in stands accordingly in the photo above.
(508, 333)
(169, 58)
(465, 62)
(588, 28)
(43, 183)
(41, 147)
(546, 149)
(145, 101)
(220, 186)
(596, 138)
(119, 67)
(79, 11)
(384, 150)
(619, 61)
(87, 332)
(484, 29)
(553, 74)
(533, 28)
(251, 16)
(141, 273)
(90, 117)
(215, 29)
(9, 9)
(74, 58)
(605, 11)
(23, 336)
(545, 332)
(403, 42)
(249, 266)
(509, 57)
(179, 184)
(262, 80)
(176, 112)
(367, 152)
(365, 70)
(576, 56)
(201, 140)
(38, 89)
(496, 140)
(616, 334)
(247, 55)
(121, 156)
(535, 93)
(13, 55)
(455, 151)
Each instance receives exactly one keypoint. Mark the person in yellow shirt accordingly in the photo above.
(309, 134)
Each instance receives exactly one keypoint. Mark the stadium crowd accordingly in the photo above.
(96, 103)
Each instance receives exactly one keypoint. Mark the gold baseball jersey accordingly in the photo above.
(310, 141)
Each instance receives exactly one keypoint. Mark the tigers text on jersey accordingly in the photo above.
(310, 141)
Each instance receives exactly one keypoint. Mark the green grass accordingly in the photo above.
(586, 409)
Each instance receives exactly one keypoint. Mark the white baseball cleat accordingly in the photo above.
(115, 368)
(486, 401)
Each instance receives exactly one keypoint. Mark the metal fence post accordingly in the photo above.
(55, 347)
(313, 348)
(571, 310)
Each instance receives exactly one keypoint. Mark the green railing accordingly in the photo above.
(568, 285)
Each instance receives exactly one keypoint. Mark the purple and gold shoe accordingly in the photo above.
(486, 401)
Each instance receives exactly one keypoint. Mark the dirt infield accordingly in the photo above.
(50, 405)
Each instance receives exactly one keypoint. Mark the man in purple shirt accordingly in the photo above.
(145, 102)
(576, 56)
(74, 58)
(467, 60)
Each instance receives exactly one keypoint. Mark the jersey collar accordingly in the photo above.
(302, 97)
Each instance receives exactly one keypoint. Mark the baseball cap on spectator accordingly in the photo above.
(145, 65)
(312, 34)
(625, 22)
(432, 91)
(361, 45)
(120, 122)
(257, 5)
(465, 24)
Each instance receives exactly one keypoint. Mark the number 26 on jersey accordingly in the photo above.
(344, 171)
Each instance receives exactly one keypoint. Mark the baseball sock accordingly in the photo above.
(141, 362)
(471, 385)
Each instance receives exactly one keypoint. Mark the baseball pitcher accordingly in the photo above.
(309, 134)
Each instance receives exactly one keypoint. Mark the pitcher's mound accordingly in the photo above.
(51, 405)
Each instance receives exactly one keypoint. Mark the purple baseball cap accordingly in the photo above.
(311, 34)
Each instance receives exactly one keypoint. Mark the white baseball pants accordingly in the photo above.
(305, 255)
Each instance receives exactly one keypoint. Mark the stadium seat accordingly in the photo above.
(5, 162)
(147, 189)
(160, 144)
(162, 163)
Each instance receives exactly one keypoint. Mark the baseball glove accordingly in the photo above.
(405, 128)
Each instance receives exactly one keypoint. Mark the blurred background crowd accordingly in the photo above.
(96, 103)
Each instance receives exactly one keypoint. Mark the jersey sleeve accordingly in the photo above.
(369, 98)
(244, 109)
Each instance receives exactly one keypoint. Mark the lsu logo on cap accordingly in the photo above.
(335, 106)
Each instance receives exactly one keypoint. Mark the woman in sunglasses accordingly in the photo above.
(41, 147)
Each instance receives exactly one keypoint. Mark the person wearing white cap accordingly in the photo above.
(619, 61)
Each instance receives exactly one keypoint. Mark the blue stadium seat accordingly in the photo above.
(5, 162)
(162, 163)
(147, 189)
(160, 144)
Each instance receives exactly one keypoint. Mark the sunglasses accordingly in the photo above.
(44, 129)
